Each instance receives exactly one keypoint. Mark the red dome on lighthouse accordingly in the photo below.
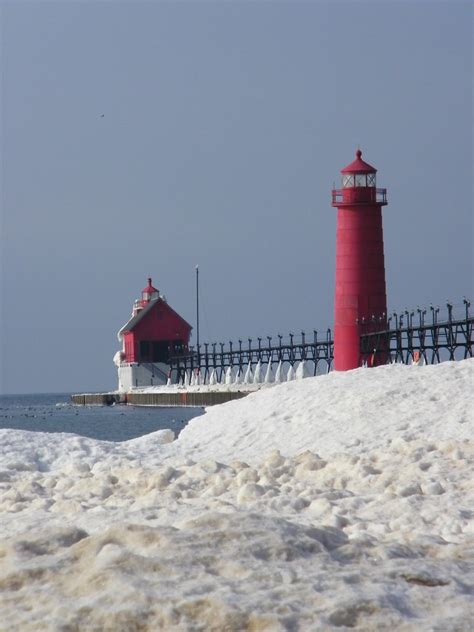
(149, 292)
(149, 289)
(359, 166)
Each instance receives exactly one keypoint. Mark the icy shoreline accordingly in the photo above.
(342, 501)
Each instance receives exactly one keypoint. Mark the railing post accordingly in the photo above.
(449, 305)
(221, 345)
(329, 348)
(467, 304)
(192, 363)
(206, 373)
(421, 316)
(434, 314)
(468, 330)
(450, 335)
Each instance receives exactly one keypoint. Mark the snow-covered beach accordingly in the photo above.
(341, 501)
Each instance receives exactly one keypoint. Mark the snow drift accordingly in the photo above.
(335, 502)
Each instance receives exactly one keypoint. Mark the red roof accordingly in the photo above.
(149, 287)
(359, 166)
(134, 320)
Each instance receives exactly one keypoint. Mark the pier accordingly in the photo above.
(170, 400)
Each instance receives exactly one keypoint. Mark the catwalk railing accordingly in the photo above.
(425, 335)
(422, 335)
(216, 358)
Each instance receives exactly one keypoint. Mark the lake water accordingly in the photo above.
(55, 413)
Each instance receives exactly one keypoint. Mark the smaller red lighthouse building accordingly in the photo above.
(360, 270)
(153, 334)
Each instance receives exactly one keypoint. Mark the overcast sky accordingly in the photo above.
(224, 127)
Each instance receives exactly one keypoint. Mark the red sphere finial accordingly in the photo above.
(358, 153)
(149, 281)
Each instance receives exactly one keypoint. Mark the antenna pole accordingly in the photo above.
(197, 311)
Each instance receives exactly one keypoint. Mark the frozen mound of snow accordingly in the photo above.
(353, 412)
(344, 501)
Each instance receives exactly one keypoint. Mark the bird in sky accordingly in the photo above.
(102, 115)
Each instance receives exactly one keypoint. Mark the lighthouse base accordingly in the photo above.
(139, 375)
(347, 354)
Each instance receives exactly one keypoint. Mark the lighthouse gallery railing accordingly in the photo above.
(363, 195)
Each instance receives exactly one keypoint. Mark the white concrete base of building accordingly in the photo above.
(134, 375)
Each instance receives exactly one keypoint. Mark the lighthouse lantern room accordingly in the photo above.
(360, 294)
(154, 333)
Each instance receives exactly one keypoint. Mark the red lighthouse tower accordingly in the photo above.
(360, 271)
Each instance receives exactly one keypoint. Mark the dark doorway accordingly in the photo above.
(160, 351)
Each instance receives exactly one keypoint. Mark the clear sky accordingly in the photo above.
(225, 125)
